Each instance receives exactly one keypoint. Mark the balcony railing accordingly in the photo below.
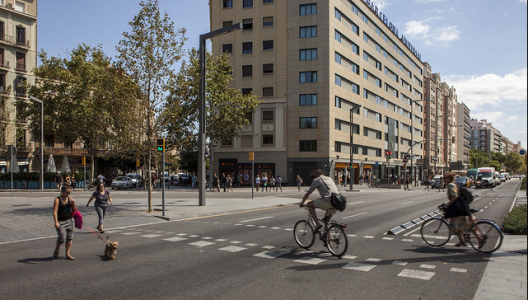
(64, 151)
(21, 68)
(13, 40)
(4, 64)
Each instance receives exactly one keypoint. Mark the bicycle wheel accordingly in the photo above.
(492, 237)
(336, 240)
(304, 234)
(435, 232)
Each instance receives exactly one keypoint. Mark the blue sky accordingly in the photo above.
(478, 46)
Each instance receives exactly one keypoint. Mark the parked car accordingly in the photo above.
(122, 182)
(462, 181)
(437, 181)
(184, 179)
(136, 178)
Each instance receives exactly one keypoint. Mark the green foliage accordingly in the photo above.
(514, 162)
(479, 159)
(189, 160)
(515, 222)
(523, 184)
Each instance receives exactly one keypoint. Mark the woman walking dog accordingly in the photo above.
(102, 197)
(63, 207)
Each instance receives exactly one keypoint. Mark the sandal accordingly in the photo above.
(70, 257)
(56, 254)
(460, 244)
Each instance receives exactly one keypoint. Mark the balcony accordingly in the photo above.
(4, 65)
(16, 41)
(65, 151)
(21, 68)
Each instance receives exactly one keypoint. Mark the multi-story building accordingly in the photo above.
(485, 137)
(311, 63)
(18, 57)
(507, 145)
(463, 138)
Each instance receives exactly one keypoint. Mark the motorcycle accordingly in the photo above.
(478, 184)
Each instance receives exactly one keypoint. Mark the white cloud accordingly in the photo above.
(381, 4)
(420, 31)
(416, 29)
(447, 34)
(430, 1)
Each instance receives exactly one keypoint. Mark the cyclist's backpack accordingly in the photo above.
(465, 194)
(337, 200)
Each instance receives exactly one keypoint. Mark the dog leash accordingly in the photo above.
(94, 233)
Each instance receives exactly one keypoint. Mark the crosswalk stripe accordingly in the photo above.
(310, 260)
(267, 254)
(201, 244)
(423, 275)
(358, 267)
(175, 239)
(232, 249)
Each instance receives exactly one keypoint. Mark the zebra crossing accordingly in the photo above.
(298, 256)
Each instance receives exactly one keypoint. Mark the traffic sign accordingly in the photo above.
(84, 160)
(405, 159)
(137, 162)
(251, 156)
(522, 152)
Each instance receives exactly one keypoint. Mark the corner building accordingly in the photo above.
(311, 62)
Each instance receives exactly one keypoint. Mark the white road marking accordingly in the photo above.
(130, 233)
(235, 242)
(201, 244)
(374, 259)
(358, 267)
(352, 235)
(206, 238)
(423, 275)
(310, 260)
(407, 202)
(232, 249)
(175, 239)
(268, 247)
(275, 228)
(407, 240)
(458, 270)
(425, 266)
(151, 235)
(355, 215)
(220, 240)
(194, 236)
(399, 263)
(351, 257)
(289, 229)
(262, 226)
(357, 202)
(250, 225)
(259, 219)
(251, 245)
(267, 254)
(368, 237)
(388, 238)
(182, 234)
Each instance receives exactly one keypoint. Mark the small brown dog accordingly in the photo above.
(110, 248)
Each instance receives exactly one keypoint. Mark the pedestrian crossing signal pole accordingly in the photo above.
(252, 159)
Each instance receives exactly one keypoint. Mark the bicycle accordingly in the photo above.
(374, 183)
(332, 234)
(435, 232)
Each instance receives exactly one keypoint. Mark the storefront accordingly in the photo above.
(242, 172)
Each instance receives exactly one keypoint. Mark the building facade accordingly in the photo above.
(311, 63)
(18, 57)
(463, 138)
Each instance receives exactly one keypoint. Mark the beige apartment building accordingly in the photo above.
(18, 58)
(311, 62)
(463, 140)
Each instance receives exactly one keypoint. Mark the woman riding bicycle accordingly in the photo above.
(458, 213)
(326, 186)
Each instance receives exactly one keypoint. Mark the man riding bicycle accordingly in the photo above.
(326, 186)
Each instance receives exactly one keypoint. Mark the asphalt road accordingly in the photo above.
(252, 255)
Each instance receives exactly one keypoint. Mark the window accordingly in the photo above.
(267, 1)
(20, 62)
(267, 115)
(306, 77)
(364, 18)
(247, 71)
(227, 48)
(308, 146)
(307, 9)
(247, 47)
(2, 83)
(19, 87)
(267, 92)
(307, 54)
(249, 117)
(247, 91)
(247, 3)
(307, 32)
(267, 21)
(267, 140)
(49, 141)
(227, 24)
(2, 31)
(307, 99)
(267, 68)
(21, 35)
(228, 3)
(267, 45)
(307, 123)
(247, 24)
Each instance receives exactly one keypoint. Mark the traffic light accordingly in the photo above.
(453, 139)
(161, 145)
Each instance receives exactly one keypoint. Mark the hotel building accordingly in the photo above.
(311, 62)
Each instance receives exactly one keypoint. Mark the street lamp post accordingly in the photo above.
(41, 179)
(202, 112)
(352, 146)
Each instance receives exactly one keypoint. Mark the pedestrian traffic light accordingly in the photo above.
(161, 145)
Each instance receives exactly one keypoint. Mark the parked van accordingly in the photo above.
(488, 176)
(497, 178)
(437, 180)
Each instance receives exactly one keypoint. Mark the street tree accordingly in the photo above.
(227, 108)
(148, 53)
(86, 99)
(514, 163)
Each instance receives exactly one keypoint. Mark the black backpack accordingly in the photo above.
(466, 194)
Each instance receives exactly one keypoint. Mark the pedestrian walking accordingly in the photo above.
(68, 180)
(101, 178)
(63, 208)
(265, 182)
(153, 181)
(229, 182)
(427, 183)
(215, 183)
(272, 183)
(257, 182)
(102, 199)
(343, 180)
(194, 180)
(72, 178)
(279, 184)
(223, 181)
(442, 185)
(299, 183)
(58, 180)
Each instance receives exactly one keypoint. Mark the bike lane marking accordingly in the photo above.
(355, 215)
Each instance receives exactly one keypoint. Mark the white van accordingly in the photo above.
(497, 178)
(488, 176)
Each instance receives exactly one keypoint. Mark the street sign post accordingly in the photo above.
(252, 159)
